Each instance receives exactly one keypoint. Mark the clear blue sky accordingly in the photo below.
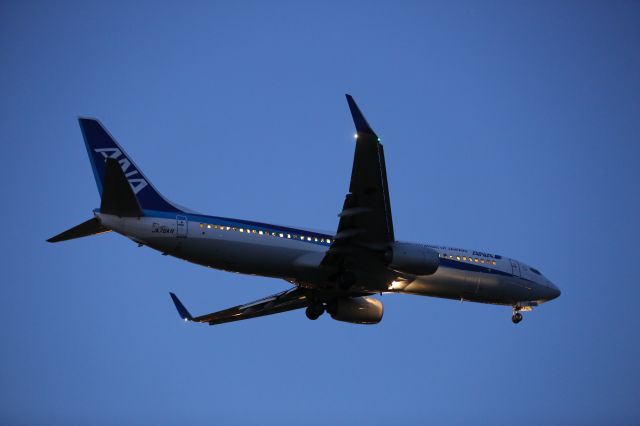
(508, 126)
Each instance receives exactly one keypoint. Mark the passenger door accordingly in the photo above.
(515, 268)
(181, 226)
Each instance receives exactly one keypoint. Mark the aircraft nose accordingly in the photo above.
(554, 291)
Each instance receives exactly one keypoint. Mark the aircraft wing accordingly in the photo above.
(365, 225)
(288, 300)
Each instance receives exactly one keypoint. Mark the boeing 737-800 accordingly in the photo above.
(335, 273)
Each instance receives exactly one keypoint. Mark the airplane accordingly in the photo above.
(337, 273)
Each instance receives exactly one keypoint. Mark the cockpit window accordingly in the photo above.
(535, 271)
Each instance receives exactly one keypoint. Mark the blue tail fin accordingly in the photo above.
(100, 146)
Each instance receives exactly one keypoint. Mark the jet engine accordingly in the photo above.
(414, 259)
(357, 310)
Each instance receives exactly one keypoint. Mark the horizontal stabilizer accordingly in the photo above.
(90, 227)
(117, 196)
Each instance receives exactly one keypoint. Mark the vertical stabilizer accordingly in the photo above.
(100, 146)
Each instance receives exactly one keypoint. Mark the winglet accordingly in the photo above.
(358, 119)
(182, 311)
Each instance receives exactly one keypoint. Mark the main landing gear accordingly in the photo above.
(314, 311)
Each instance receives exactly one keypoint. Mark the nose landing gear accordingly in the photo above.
(516, 317)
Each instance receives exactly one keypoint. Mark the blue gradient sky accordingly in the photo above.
(508, 126)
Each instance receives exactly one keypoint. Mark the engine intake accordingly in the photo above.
(357, 310)
(414, 259)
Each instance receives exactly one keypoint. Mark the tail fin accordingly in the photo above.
(100, 146)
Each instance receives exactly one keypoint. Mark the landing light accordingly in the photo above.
(355, 136)
(395, 285)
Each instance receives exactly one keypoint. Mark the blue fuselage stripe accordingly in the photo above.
(225, 221)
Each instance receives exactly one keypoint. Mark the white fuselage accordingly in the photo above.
(294, 255)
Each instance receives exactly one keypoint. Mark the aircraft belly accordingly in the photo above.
(272, 259)
(474, 286)
(445, 282)
(246, 257)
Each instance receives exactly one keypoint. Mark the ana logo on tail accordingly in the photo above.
(137, 184)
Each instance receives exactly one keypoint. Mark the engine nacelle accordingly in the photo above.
(414, 259)
(357, 310)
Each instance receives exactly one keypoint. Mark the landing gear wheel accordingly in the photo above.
(314, 311)
(516, 318)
